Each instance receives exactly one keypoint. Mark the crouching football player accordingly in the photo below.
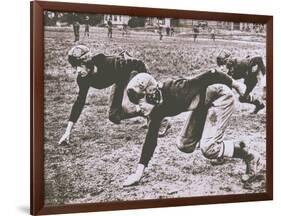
(101, 71)
(249, 69)
(211, 101)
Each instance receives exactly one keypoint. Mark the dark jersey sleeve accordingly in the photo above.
(80, 100)
(210, 78)
(150, 142)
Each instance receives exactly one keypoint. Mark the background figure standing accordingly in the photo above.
(87, 27)
(213, 36)
(76, 28)
(124, 29)
(168, 31)
(109, 28)
(160, 32)
(172, 31)
(195, 32)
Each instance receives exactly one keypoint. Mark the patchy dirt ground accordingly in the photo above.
(101, 155)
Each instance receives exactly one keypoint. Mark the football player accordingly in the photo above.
(249, 69)
(209, 99)
(101, 71)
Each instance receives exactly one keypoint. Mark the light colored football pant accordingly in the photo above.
(208, 123)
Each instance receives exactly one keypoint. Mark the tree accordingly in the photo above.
(96, 19)
(175, 22)
(136, 22)
(50, 18)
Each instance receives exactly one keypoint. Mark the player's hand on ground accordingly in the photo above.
(136, 177)
(64, 139)
(132, 180)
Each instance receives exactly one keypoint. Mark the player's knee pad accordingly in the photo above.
(186, 145)
(211, 150)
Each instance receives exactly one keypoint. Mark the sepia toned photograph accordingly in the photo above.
(144, 108)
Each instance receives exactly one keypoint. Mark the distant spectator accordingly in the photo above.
(243, 27)
(109, 27)
(172, 31)
(76, 28)
(160, 32)
(195, 32)
(213, 36)
(124, 29)
(255, 28)
(261, 28)
(168, 31)
(87, 27)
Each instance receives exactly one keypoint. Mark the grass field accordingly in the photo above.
(101, 155)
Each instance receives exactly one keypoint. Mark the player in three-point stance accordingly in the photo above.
(100, 71)
(209, 99)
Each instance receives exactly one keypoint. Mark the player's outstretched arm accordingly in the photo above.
(75, 111)
(147, 151)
